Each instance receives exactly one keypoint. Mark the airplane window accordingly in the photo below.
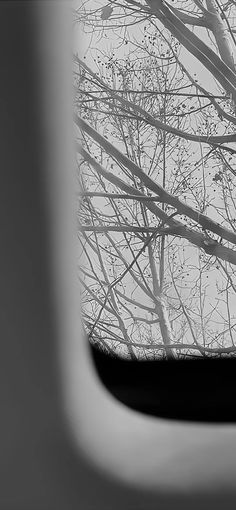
(155, 92)
(65, 441)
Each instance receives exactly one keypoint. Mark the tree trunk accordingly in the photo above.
(220, 32)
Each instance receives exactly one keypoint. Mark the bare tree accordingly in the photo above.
(155, 105)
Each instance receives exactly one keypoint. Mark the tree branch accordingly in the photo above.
(181, 207)
(225, 76)
(196, 238)
(146, 117)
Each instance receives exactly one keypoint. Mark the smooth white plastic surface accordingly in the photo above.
(144, 452)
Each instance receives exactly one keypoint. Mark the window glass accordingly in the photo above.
(155, 93)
